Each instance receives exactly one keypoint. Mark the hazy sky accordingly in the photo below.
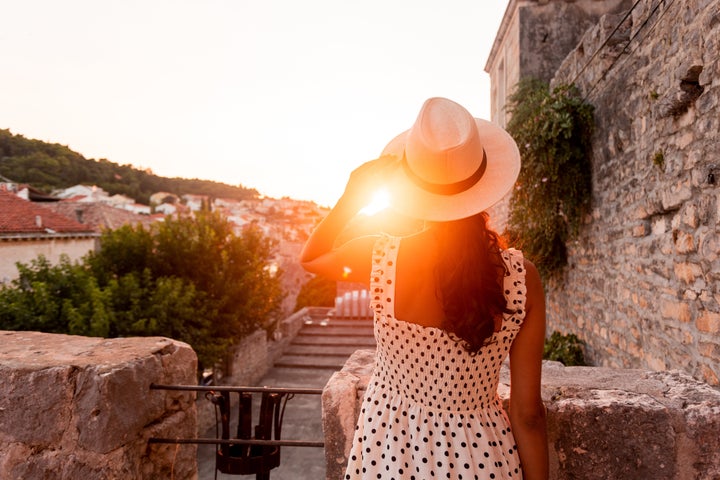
(284, 96)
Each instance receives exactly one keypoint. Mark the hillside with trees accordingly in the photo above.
(49, 166)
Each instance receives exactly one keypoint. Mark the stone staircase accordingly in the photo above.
(326, 342)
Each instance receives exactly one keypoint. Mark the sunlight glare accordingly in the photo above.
(379, 202)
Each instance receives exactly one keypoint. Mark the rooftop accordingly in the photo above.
(18, 216)
(98, 216)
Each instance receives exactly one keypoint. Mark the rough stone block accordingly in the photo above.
(675, 196)
(341, 399)
(687, 272)
(77, 407)
(708, 322)
(35, 420)
(684, 242)
(602, 423)
(603, 427)
(248, 362)
(674, 310)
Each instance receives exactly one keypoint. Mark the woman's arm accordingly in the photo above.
(350, 261)
(527, 411)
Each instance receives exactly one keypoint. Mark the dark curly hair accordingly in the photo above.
(469, 276)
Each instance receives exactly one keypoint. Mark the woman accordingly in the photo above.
(450, 305)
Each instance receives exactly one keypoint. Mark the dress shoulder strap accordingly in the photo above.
(514, 287)
(382, 275)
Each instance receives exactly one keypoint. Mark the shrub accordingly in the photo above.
(567, 349)
(317, 292)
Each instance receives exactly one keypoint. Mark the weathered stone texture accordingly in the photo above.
(341, 400)
(77, 407)
(642, 283)
(602, 423)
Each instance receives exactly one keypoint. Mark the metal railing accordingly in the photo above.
(246, 453)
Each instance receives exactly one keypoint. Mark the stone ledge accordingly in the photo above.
(79, 407)
(602, 423)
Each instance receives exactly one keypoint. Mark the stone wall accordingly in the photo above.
(81, 408)
(602, 423)
(251, 359)
(643, 283)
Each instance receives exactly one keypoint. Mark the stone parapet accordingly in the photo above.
(341, 399)
(602, 423)
(76, 407)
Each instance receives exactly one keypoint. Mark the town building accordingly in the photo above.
(27, 230)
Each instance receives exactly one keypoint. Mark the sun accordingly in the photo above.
(380, 201)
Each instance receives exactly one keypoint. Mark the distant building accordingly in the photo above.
(92, 193)
(160, 198)
(195, 202)
(166, 208)
(28, 230)
(534, 38)
(120, 201)
(26, 192)
(98, 216)
(138, 208)
(228, 203)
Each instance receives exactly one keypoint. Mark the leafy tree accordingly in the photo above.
(190, 278)
(166, 306)
(64, 298)
(230, 269)
(128, 249)
(319, 291)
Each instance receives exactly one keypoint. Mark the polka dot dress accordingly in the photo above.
(431, 409)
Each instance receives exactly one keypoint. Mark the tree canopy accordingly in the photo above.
(189, 278)
(318, 291)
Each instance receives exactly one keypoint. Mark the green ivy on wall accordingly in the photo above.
(552, 129)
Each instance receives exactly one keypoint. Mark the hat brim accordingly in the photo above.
(503, 168)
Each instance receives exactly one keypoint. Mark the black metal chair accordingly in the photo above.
(245, 453)
(246, 459)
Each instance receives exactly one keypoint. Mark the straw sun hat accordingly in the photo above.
(453, 165)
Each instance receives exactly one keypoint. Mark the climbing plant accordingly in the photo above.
(552, 129)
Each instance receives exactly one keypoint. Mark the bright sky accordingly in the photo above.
(284, 96)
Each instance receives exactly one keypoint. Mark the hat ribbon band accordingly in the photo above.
(446, 188)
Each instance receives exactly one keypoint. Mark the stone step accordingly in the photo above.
(338, 322)
(364, 318)
(341, 331)
(334, 362)
(321, 350)
(360, 341)
(318, 312)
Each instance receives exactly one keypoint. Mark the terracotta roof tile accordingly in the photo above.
(98, 215)
(18, 216)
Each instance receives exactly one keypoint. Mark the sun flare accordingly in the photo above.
(380, 201)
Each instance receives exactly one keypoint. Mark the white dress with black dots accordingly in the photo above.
(431, 409)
